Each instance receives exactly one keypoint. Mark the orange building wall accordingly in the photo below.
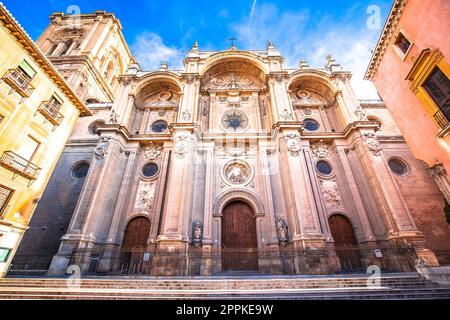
(427, 24)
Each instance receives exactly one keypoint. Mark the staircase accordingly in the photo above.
(393, 286)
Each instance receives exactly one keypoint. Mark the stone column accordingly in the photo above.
(362, 213)
(172, 243)
(281, 106)
(189, 103)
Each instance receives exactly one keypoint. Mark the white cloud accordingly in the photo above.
(299, 35)
(150, 50)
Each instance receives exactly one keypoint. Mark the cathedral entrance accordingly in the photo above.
(134, 245)
(239, 240)
(345, 243)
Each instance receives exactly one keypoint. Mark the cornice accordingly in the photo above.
(25, 41)
(385, 38)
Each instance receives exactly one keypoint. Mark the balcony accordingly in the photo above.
(19, 82)
(20, 166)
(51, 113)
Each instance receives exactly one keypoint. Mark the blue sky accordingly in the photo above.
(165, 30)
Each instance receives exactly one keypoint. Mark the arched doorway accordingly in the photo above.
(134, 245)
(345, 242)
(239, 240)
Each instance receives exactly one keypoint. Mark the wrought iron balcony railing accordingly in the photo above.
(442, 117)
(51, 113)
(19, 82)
(19, 165)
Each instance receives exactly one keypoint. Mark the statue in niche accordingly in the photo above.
(282, 232)
(197, 233)
(361, 113)
(113, 116)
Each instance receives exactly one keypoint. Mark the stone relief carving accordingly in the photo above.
(102, 148)
(181, 146)
(302, 98)
(361, 113)
(237, 172)
(145, 195)
(286, 115)
(186, 115)
(439, 175)
(282, 232)
(293, 144)
(330, 193)
(372, 143)
(320, 149)
(152, 151)
(197, 233)
(113, 116)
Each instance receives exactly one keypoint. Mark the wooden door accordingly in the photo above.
(134, 244)
(239, 240)
(345, 243)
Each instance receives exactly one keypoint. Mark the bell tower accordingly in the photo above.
(89, 51)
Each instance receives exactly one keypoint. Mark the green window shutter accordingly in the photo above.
(27, 68)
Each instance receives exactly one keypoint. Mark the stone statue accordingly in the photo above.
(113, 117)
(102, 148)
(197, 233)
(282, 232)
(361, 113)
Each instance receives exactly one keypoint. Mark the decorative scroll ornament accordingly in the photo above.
(361, 113)
(197, 233)
(282, 232)
(372, 143)
(293, 144)
(286, 115)
(181, 146)
(102, 148)
(320, 149)
(153, 151)
(145, 195)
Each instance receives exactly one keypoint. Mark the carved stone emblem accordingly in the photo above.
(197, 233)
(320, 149)
(237, 172)
(282, 232)
(330, 193)
(102, 148)
(293, 144)
(181, 146)
(145, 195)
(153, 151)
(372, 143)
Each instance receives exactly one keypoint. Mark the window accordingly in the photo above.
(4, 254)
(93, 127)
(159, 126)
(5, 195)
(438, 88)
(28, 148)
(150, 170)
(27, 69)
(311, 125)
(402, 43)
(80, 170)
(324, 168)
(398, 167)
(52, 49)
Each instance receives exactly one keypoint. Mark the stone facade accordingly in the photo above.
(175, 154)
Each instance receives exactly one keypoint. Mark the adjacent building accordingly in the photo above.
(410, 68)
(38, 111)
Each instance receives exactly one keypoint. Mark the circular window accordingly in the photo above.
(398, 167)
(324, 168)
(80, 170)
(235, 121)
(159, 126)
(93, 127)
(311, 125)
(150, 170)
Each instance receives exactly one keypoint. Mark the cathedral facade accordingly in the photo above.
(233, 164)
